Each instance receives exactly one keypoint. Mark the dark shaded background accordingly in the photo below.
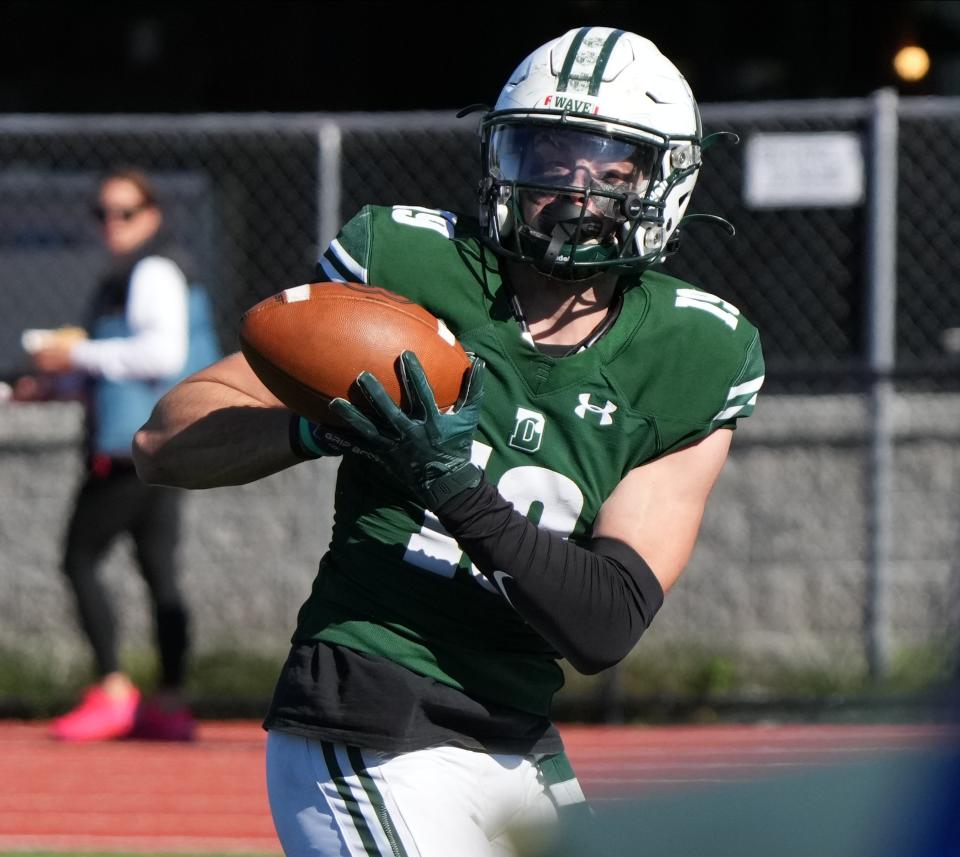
(294, 55)
(247, 196)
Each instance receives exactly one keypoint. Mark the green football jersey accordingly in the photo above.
(556, 436)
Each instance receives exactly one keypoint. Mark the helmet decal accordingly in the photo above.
(586, 61)
(574, 105)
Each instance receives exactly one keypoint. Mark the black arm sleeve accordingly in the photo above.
(590, 603)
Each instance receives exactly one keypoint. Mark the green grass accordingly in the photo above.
(222, 683)
(697, 672)
(684, 683)
(676, 682)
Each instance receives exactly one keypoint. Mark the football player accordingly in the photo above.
(544, 517)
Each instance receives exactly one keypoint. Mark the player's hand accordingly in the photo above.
(426, 450)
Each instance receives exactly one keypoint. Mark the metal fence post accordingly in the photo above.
(329, 140)
(881, 330)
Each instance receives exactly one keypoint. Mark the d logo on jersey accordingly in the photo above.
(605, 413)
(527, 430)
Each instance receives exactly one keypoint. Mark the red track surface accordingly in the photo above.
(209, 796)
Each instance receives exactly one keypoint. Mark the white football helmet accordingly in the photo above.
(590, 155)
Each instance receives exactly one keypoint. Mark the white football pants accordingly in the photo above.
(331, 800)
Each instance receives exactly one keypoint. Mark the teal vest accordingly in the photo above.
(119, 408)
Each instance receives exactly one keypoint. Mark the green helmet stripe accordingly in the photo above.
(599, 64)
(571, 57)
(602, 61)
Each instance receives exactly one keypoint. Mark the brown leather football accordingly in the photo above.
(309, 343)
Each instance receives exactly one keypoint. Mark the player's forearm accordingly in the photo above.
(205, 435)
(591, 603)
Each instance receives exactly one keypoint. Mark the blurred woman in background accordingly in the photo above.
(135, 349)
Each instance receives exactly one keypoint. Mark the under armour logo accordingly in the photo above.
(585, 405)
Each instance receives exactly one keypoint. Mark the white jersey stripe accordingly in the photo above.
(706, 297)
(728, 318)
(728, 412)
(746, 387)
(348, 262)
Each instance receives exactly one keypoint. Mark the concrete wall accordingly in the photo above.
(781, 568)
(778, 575)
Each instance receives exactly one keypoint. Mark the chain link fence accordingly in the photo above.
(251, 198)
(928, 237)
(240, 196)
(869, 524)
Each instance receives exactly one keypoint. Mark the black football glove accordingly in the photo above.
(427, 451)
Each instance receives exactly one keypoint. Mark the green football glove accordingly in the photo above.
(427, 451)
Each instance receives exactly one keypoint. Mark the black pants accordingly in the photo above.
(114, 501)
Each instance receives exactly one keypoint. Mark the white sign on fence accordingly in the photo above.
(817, 170)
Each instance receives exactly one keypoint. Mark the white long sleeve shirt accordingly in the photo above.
(156, 315)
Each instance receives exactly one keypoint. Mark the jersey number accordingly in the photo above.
(549, 499)
(425, 218)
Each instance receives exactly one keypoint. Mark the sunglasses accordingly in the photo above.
(103, 213)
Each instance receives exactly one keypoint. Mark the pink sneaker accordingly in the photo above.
(152, 723)
(98, 717)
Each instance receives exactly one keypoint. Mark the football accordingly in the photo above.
(309, 343)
